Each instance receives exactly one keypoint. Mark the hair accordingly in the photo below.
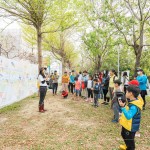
(125, 74)
(80, 72)
(41, 72)
(117, 82)
(135, 90)
(105, 74)
(76, 78)
(114, 71)
(96, 80)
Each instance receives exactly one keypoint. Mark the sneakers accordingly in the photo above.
(123, 147)
(114, 121)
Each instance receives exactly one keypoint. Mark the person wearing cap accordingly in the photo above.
(142, 79)
(65, 81)
(43, 89)
(115, 104)
(55, 82)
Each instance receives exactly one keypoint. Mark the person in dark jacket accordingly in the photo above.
(105, 85)
(96, 90)
(131, 117)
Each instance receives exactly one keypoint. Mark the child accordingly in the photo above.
(131, 117)
(65, 81)
(96, 92)
(64, 94)
(89, 89)
(115, 104)
(77, 87)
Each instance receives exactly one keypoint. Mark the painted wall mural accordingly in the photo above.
(18, 80)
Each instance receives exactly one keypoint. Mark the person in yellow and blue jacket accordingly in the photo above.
(131, 117)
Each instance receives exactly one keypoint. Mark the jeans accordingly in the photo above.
(128, 138)
(43, 90)
(96, 99)
(55, 86)
(116, 110)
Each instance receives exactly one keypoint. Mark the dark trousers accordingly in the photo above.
(105, 91)
(143, 94)
(128, 138)
(116, 109)
(125, 88)
(55, 86)
(72, 87)
(96, 99)
(43, 90)
(69, 87)
(90, 93)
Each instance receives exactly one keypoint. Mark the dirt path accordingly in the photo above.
(67, 125)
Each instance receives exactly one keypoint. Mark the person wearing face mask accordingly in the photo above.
(142, 79)
(43, 89)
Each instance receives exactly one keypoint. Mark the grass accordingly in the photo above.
(68, 125)
(17, 105)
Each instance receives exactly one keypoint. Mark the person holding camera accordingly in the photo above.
(131, 116)
(42, 78)
(115, 104)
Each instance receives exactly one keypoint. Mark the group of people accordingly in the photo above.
(126, 97)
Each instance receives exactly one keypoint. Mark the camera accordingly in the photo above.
(121, 96)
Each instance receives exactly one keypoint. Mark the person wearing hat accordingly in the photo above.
(65, 81)
(55, 82)
(43, 89)
(115, 104)
(142, 79)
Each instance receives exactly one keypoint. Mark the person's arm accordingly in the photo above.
(142, 80)
(129, 113)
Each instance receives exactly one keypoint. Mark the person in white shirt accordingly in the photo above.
(89, 89)
(43, 89)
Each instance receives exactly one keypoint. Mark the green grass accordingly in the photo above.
(17, 105)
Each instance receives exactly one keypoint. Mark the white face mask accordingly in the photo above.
(138, 72)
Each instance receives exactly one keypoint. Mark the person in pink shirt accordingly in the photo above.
(77, 88)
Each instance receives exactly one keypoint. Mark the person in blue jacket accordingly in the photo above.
(72, 81)
(142, 79)
(131, 117)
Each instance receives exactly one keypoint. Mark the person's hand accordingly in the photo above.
(92, 89)
(121, 103)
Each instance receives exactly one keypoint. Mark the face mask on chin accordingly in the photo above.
(138, 73)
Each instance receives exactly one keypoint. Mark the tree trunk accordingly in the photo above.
(138, 59)
(63, 65)
(98, 64)
(39, 46)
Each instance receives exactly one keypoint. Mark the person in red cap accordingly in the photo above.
(134, 82)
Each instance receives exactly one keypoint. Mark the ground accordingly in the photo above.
(67, 125)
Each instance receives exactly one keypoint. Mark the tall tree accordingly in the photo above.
(130, 19)
(31, 12)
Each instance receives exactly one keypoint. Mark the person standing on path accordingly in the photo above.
(72, 81)
(125, 81)
(65, 81)
(43, 89)
(55, 82)
(105, 84)
(113, 77)
(142, 79)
